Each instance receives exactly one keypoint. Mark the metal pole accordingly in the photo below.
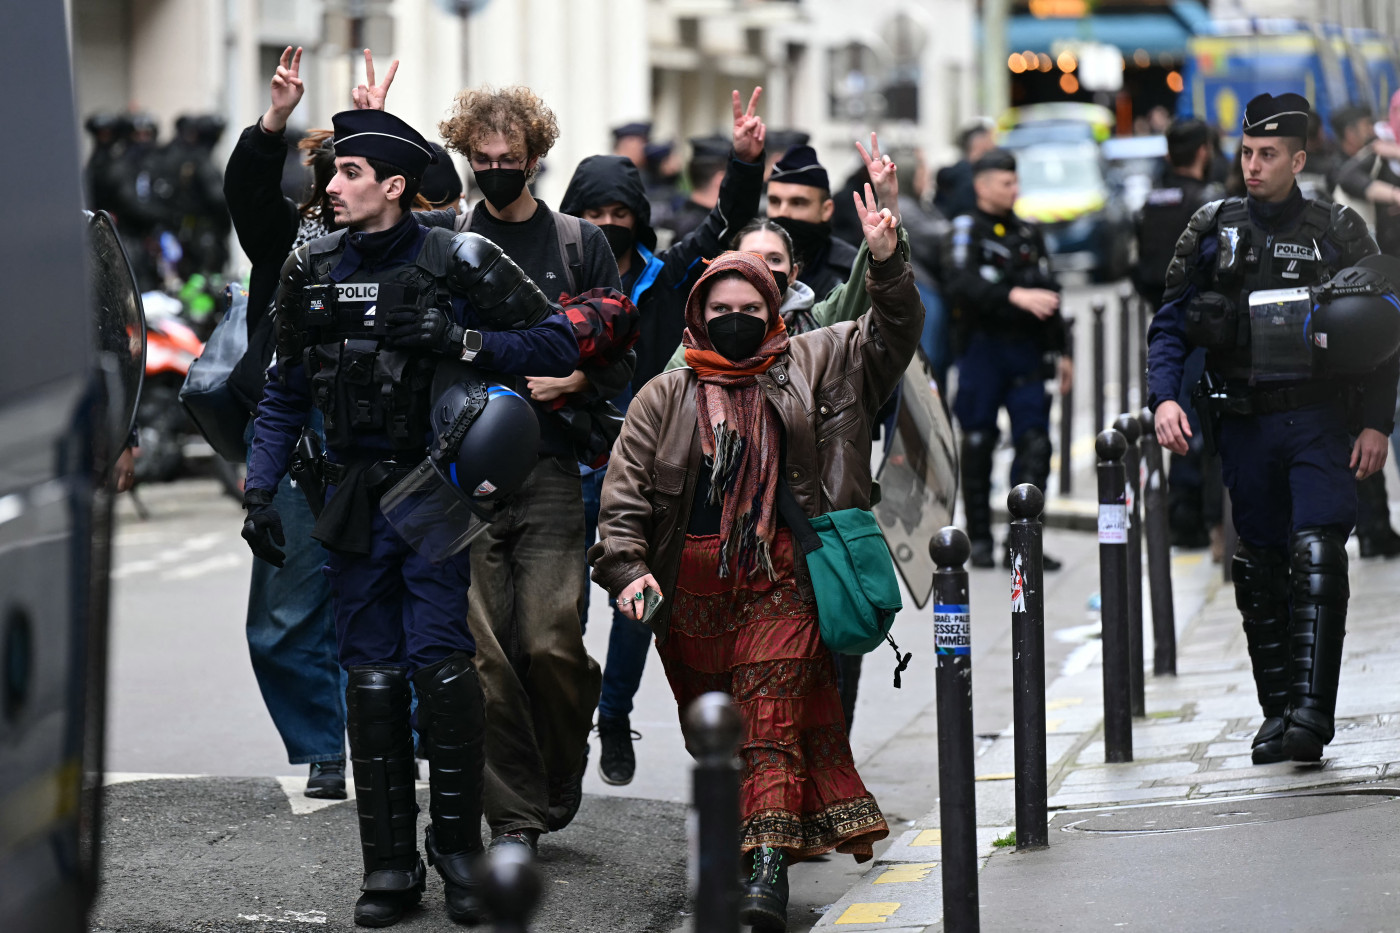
(1142, 349)
(1099, 365)
(512, 890)
(1159, 551)
(1128, 426)
(714, 729)
(1023, 540)
(1113, 597)
(957, 801)
(1125, 347)
(1067, 420)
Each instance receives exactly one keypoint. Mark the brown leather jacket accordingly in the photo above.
(826, 389)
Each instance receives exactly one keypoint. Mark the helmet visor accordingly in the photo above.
(431, 515)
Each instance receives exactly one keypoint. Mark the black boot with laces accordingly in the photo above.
(618, 762)
(764, 903)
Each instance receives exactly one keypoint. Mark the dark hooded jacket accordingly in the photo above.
(660, 283)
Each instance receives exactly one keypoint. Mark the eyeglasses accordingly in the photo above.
(481, 163)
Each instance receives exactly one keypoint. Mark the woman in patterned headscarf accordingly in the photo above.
(759, 422)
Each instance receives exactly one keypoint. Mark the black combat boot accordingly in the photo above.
(1261, 593)
(381, 750)
(977, 450)
(763, 905)
(1320, 593)
(1373, 531)
(452, 720)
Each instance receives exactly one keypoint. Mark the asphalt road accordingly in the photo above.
(228, 850)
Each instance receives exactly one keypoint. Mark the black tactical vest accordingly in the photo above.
(366, 391)
(1252, 259)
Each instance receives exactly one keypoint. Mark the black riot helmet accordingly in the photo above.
(1355, 321)
(485, 442)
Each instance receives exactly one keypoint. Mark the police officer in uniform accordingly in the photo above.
(1290, 452)
(1006, 318)
(366, 317)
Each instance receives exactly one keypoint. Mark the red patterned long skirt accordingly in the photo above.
(758, 641)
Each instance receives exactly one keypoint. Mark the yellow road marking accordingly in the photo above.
(1063, 703)
(929, 837)
(869, 913)
(1008, 776)
(901, 874)
(1053, 725)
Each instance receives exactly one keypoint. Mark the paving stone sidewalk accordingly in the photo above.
(1193, 744)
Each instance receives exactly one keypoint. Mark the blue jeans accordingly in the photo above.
(629, 639)
(291, 640)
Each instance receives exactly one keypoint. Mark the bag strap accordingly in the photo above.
(570, 233)
(797, 521)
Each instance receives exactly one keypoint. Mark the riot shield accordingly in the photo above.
(918, 480)
(119, 326)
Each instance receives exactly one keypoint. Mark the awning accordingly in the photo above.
(1163, 30)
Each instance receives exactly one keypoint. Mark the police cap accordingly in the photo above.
(779, 142)
(714, 147)
(374, 134)
(631, 129)
(800, 167)
(1284, 115)
(998, 160)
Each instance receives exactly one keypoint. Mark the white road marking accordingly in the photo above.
(211, 565)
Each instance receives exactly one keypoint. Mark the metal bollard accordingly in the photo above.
(1131, 429)
(714, 730)
(1125, 347)
(1159, 550)
(1142, 318)
(957, 801)
(1067, 420)
(1099, 365)
(1113, 584)
(512, 890)
(1023, 540)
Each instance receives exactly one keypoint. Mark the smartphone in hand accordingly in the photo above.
(651, 601)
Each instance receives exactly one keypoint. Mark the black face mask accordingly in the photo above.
(737, 336)
(620, 238)
(782, 279)
(501, 186)
(808, 239)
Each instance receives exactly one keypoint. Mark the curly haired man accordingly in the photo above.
(541, 686)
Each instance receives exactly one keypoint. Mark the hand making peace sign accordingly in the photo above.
(882, 176)
(880, 227)
(749, 131)
(287, 89)
(370, 96)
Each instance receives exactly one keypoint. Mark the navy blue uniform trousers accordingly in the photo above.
(393, 606)
(1288, 470)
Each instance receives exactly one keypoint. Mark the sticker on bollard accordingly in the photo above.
(1113, 524)
(952, 628)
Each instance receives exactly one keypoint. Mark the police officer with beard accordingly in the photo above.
(1006, 319)
(1291, 450)
(366, 317)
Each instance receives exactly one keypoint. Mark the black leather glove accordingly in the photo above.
(263, 529)
(423, 329)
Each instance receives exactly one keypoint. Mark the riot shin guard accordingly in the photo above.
(1261, 593)
(1320, 592)
(1032, 463)
(381, 749)
(452, 720)
(977, 450)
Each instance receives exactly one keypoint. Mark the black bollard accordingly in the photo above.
(1067, 420)
(1159, 550)
(1142, 349)
(512, 890)
(714, 729)
(1131, 429)
(957, 801)
(1099, 365)
(1023, 540)
(1126, 323)
(1113, 598)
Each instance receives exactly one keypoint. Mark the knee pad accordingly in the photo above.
(1261, 581)
(450, 703)
(1032, 458)
(1319, 564)
(977, 450)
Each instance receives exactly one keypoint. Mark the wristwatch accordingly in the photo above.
(471, 345)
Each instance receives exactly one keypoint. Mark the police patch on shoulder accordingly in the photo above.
(1294, 251)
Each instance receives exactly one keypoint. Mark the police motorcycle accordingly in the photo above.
(1292, 341)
